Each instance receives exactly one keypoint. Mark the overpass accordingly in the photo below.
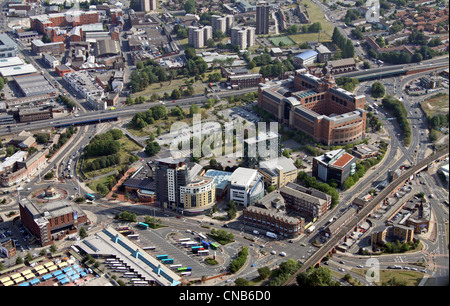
(329, 246)
(396, 70)
(87, 121)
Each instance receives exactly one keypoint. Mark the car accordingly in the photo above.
(273, 252)
(341, 262)
(261, 245)
(342, 270)
(359, 266)
(253, 265)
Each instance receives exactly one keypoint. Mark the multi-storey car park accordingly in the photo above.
(316, 107)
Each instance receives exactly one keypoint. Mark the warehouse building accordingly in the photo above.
(109, 243)
(33, 85)
(8, 48)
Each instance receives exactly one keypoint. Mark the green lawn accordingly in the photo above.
(284, 39)
(316, 15)
(305, 37)
(412, 278)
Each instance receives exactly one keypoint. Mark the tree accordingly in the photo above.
(293, 29)
(264, 272)
(316, 277)
(176, 94)
(152, 148)
(378, 90)
(189, 6)
(241, 282)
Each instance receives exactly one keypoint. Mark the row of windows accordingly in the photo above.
(273, 225)
(339, 100)
(315, 98)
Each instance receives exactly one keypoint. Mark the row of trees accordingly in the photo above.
(345, 44)
(238, 262)
(399, 112)
(102, 162)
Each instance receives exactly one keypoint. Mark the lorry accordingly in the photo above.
(271, 235)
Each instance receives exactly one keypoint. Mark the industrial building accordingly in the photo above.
(8, 47)
(109, 243)
(33, 85)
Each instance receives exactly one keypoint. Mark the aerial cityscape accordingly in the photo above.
(224, 143)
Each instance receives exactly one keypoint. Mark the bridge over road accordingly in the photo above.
(317, 257)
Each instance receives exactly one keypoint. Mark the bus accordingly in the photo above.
(126, 233)
(134, 236)
(184, 240)
(143, 225)
(196, 249)
(203, 252)
(186, 273)
(205, 244)
(173, 267)
(202, 236)
(163, 256)
(123, 228)
(184, 269)
(213, 246)
(90, 197)
(149, 248)
(167, 261)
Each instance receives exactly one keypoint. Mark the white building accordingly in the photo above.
(246, 186)
(83, 83)
(243, 37)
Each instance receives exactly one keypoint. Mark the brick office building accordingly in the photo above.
(70, 18)
(316, 107)
(52, 220)
(269, 214)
